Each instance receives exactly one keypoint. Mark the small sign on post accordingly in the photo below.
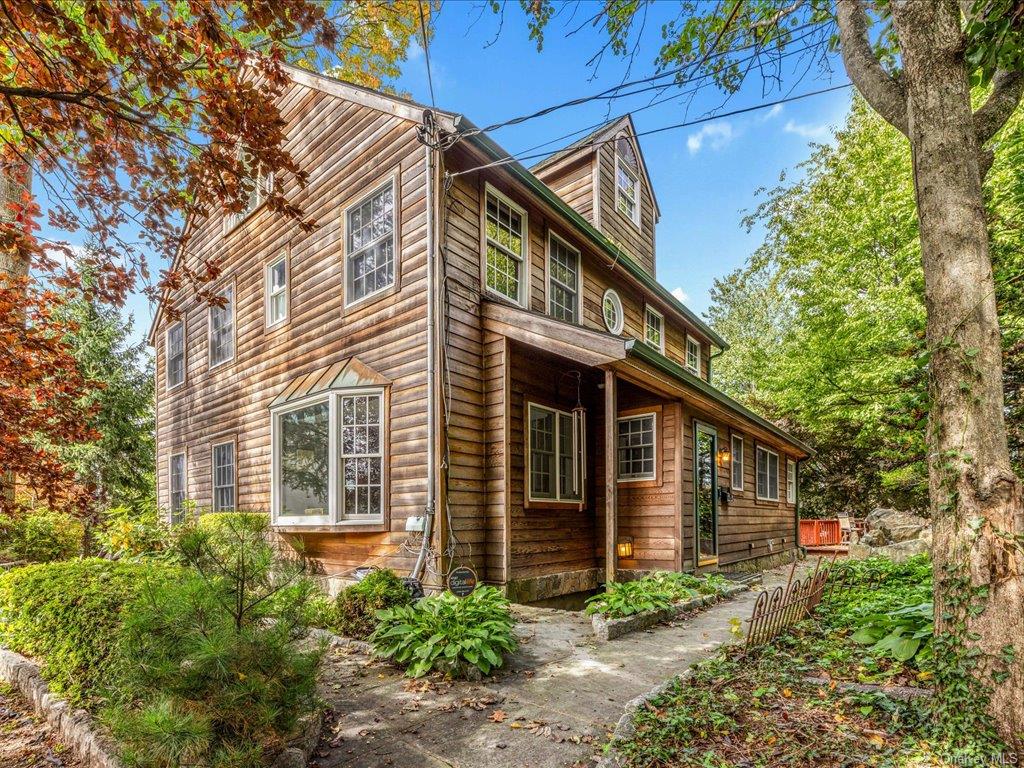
(462, 581)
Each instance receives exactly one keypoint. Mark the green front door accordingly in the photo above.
(706, 493)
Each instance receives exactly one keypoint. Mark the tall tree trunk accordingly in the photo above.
(975, 496)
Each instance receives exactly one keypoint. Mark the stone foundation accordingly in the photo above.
(553, 585)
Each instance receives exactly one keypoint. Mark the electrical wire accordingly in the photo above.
(662, 129)
(611, 93)
(426, 55)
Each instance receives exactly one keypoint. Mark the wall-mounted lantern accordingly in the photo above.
(625, 546)
(724, 457)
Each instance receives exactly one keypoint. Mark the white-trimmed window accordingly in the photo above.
(790, 481)
(556, 453)
(693, 356)
(611, 310)
(257, 186)
(175, 354)
(767, 474)
(329, 463)
(736, 462)
(370, 244)
(276, 291)
(177, 485)
(654, 328)
(506, 227)
(627, 180)
(223, 476)
(563, 280)
(222, 328)
(637, 453)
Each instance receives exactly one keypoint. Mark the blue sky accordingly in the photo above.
(705, 176)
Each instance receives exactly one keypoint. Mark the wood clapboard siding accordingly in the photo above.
(637, 241)
(348, 150)
(574, 183)
(747, 527)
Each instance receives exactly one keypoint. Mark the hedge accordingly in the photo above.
(68, 616)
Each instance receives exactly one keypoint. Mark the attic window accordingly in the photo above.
(257, 186)
(627, 180)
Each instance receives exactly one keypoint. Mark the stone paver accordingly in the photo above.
(557, 700)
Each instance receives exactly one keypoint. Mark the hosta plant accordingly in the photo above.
(903, 634)
(447, 633)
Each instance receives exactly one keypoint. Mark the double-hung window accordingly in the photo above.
(222, 328)
(505, 257)
(654, 328)
(693, 356)
(737, 463)
(767, 474)
(329, 464)
(370, 245)
(636, 447)
(276, 291)
(563, 280)
(256, 186)
(627, 180)
(556, 450)
(223, 476)
(177, 486)
(175, 349)
(790, 481)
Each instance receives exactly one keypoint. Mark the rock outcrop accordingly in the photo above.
(893, 533)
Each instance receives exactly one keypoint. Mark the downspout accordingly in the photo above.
(711, 360)
(428, 136)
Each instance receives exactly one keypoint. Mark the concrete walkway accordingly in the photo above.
(552, 707)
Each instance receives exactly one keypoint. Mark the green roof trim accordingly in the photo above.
(495, 152)
(650, 355)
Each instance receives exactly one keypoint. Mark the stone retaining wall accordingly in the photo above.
(606, 629)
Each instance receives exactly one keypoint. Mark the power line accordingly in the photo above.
(658, 102)
(426, 55)
(686, 124)
(613, 92)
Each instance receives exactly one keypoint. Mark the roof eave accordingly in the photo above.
(676, 371)
(495, 152)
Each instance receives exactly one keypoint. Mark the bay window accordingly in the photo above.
(328, 459)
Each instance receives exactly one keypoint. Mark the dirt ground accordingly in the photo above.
(26, 741)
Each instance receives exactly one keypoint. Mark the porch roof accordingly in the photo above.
(653, 357)
(599, 349)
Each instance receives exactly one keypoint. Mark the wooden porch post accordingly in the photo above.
(611, 489)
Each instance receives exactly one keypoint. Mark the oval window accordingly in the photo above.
(611, 308)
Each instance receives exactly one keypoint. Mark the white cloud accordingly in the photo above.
(717, 136)
(807, 131)
(680, 294)
(772, 113)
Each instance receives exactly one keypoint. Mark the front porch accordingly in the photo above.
(603, 467)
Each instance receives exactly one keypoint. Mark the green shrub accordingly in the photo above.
(68, 615)
(358, 604)
(447, 633)
(133, 531)
(43, 536)
(212, 670)
(225, 521)
(656, 591)
(901, 634)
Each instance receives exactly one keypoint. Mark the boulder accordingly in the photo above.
(891, 526)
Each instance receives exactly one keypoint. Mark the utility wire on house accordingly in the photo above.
(662, 129)
(426, 54)
(613, 92)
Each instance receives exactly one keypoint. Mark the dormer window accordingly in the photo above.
(627, 180)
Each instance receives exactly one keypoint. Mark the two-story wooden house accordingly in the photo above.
(468, 362)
